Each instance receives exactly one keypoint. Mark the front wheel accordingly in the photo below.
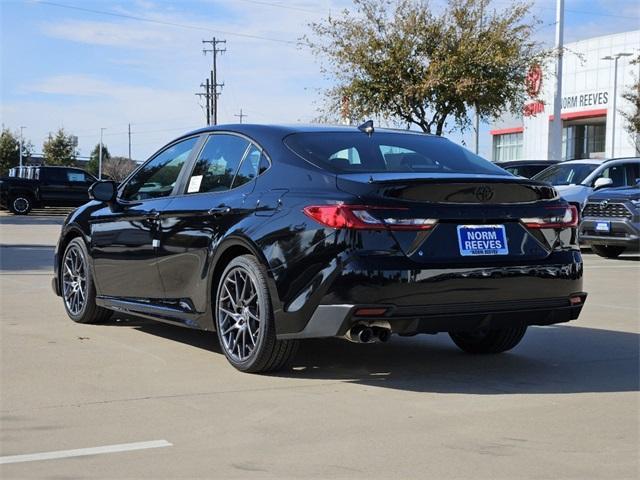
(244, 319)
(21, 204)
(608, 251)
(489, 341)
(78, 290)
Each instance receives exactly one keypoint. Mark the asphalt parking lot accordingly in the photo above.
(563, 404)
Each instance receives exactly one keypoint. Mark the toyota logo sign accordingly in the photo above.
(484, 193)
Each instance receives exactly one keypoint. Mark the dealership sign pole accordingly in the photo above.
(555, 129)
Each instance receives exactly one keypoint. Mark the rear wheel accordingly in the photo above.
(489, 341)
(78, 291)
(244, 319)
(608, 251)
(20, 204)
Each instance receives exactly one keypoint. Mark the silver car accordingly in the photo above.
(575, 180)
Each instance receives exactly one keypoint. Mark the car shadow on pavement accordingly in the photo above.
(551, 360)
(56, 218)
(16, 258)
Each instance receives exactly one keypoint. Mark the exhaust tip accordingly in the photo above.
(383, 334)
(365, 335)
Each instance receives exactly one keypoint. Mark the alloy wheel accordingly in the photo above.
(21, 204)
(74, 280)
(239, 315)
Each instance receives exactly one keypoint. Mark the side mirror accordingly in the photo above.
(602, 182)
(103, 191)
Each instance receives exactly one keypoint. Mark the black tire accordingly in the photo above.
(88, 311)
(489, 341)
(608, 251)
(268, 353)
(20, 204)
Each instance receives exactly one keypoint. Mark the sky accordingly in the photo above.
(92, 64)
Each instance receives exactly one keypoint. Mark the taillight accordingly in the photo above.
(558, 217)
(360, 217)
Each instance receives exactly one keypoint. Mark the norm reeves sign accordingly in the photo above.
(585, 100)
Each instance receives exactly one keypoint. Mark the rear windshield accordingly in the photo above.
(567, 174)
(346, 152)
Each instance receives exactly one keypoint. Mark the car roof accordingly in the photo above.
(508, 163)
(287, 129)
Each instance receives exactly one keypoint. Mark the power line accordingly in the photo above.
(170, 24)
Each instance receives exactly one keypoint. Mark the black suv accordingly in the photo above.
(29, 187)
(272, 234)
(611, 221)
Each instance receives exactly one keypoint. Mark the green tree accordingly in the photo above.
(94, 158)
(405, 62)
(60, 149)
(10, 150)
(632, 95)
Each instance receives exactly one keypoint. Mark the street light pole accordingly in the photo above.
(100, 155)
(615, 59)
(554, 150)
(21, 143)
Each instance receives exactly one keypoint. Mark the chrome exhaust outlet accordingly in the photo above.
(382, 334)
(360, 334)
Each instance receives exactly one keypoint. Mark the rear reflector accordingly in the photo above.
(360, 217)
(558, 217)
(370, 312)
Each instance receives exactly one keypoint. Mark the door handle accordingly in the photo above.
(221, 210)
(153, 215)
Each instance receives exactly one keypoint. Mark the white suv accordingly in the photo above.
(575, 180)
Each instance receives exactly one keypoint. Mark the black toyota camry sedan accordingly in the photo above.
(273, 234)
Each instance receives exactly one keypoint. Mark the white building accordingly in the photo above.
(587, 104)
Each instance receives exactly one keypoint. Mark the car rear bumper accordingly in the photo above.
(336, 320)
(623, 232)
(434, 300)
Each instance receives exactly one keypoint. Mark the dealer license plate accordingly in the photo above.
(476, 240)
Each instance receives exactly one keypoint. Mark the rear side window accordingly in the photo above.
(345, 152)
(226, 161)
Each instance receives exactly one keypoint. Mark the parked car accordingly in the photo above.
(29, 187)
(611, 221)
(526, 168)
(575, 180)
(272, 234)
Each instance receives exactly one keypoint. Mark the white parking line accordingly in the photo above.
(79, 452)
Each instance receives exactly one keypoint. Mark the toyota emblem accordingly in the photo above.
(603, 204)
(484, 193)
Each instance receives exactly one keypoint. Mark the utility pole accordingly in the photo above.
(22, 142)
(615, 59)
(240, 115)
(214, 50)
(207, 97)
(100, 155)
(554, 150)
(129, 141)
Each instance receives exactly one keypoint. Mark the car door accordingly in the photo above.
(79, 182)
(218, 195)
(53, 185)
(124, 237)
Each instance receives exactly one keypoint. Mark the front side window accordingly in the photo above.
(621, 175)
(76, 176)
(567, 174)
(345, 152)
(158, 176)
(219, 163)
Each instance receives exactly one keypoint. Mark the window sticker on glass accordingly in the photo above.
(194, 184)
(75, 176)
